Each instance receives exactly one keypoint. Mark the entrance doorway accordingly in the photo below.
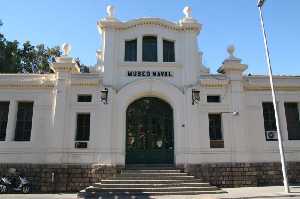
(149, 132)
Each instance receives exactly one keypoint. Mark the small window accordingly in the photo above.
(24, 121)
(150, 48)
(215, 130)
(84, 98)
(213, 99)
(131, 50)
(4, 107)
(168, 51)
(83, 127)
(292, 120)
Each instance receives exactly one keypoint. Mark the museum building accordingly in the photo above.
(149, 100)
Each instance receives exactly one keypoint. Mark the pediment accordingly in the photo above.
(180, 26)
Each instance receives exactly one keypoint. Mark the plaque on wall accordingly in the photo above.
(147, 73)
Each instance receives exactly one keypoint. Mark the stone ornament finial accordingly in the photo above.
(66, 48)
(230, 50)
(187, 11)
(110, 10)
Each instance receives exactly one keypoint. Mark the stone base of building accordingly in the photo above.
(244, 174)
(75, 177)
(62, 177)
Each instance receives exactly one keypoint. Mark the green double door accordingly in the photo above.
(149, 132)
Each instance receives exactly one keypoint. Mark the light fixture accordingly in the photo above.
(234, 113)
(104, 95)
(195, 96)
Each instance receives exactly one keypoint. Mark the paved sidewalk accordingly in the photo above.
(235, 193)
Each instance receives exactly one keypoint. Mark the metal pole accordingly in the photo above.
(282, 157)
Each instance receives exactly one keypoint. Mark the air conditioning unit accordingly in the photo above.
(271, 135)
(81, 145)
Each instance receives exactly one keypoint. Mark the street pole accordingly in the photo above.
(282, 157)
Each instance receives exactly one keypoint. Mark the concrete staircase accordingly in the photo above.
(149, 181)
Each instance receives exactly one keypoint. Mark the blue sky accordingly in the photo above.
(225, 22)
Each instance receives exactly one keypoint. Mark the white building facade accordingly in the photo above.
(150, 100)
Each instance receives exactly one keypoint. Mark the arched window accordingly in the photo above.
(150, 48)
(168, 51)
(131, 50)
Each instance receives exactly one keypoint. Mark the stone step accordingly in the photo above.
(101, 185)
(150, 181)
(151, 171)
(150, 189)
(141, 174)
(156, 177)
(130, 195)
(147, 166)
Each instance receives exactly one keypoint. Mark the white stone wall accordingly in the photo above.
(56, 106)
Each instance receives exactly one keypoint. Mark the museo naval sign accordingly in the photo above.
(147, 73)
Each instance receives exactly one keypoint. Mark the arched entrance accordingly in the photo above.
(149, 132)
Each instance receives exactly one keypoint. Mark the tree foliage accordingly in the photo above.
(25, 58)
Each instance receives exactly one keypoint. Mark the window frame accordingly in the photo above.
(212, 96)
(84, 95)
(19, 133)
(292, 126)
(156, 49)
(77, 129)
(4, 119)
(214, 141)
(163, 50)
(136, 49)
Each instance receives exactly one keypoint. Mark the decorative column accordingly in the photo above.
(11, 122)
(63, 67)
(233, 69)
(107, 27)
(190, 57)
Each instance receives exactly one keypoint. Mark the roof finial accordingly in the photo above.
(110, 10)
(66, 48)
(187, 11)
(230, 50)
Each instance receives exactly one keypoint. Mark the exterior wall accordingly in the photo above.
(62, 177)
(56, 107)
(245, 174)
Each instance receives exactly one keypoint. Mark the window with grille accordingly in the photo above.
(150, 48)
(131, 50)
(84, 98)
(24, 121)
(83, 127)
(168, 51)
(215, 130)
(4, 108)
(292, 120)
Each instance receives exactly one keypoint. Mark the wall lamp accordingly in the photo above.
(195, 96)
(104, 96)
(234, 113)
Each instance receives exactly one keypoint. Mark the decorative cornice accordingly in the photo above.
(20, 81)
(85, 84)
(193, 27)
(63, 67)
(268, 88)
(261, 83)
(214, 82)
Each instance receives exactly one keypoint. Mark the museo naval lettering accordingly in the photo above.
(147, 73)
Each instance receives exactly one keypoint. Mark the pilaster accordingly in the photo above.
(233, 69)
(64, 67)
